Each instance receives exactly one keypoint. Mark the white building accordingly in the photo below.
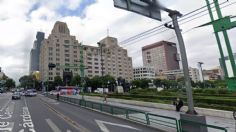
(175, 74)
(144, 73)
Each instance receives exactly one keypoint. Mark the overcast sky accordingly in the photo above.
(89, 20)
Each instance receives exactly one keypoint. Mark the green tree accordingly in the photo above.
(76, 80)
(136, 83)
(58, 81)
(10, 83)
(96, 82)
(26, 81)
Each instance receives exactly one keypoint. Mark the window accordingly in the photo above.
(57, 59)
(67, 41)
(67, 60)
(67, 55)
(75, 47)
(58, 73)
(75, 51)
(50, 58)
(50, 48)
(66, 51)
(89, 62)
(50, 78)
(96, 59)
(75, 55)
(57, 45)
(89, 71)
(57, 40)
(57, 49)
(58, 69)
(96, 71)
(96, 67)
(57, 54)
(50, 73)
(67, 69)
(89, 67)
(50, 54)
(66, 46)
(95, 63)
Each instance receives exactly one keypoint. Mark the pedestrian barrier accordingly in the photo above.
(154, 120)
(210, 128)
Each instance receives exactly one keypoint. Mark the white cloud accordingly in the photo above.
(19, 27)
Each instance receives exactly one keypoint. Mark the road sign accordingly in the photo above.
(147, 8)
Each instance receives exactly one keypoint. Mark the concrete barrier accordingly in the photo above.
(201, 111)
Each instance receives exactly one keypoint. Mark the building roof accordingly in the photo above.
(157, 44)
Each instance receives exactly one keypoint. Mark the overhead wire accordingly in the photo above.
(150, 35)
(160, 27)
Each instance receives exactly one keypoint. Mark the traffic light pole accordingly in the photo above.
(174, 15)
(227, 42)
(218, 41)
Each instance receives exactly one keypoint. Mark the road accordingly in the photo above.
(30, 114)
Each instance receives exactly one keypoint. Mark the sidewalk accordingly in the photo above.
(227, 123)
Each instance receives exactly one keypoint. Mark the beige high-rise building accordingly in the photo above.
(115, 59)
(63, 50)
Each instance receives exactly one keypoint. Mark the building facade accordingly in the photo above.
(176, 74)
(161, 55)
(115, 60)
(213, 74)
(63, 50)
(144, 73)
(34, 53)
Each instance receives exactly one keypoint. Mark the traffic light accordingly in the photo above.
(51, 65)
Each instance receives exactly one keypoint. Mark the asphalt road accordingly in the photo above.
(30, 114)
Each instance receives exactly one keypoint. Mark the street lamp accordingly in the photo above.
(200, 64)
(100, 45)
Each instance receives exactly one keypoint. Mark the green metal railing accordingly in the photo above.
(158, 121)
(210, 128)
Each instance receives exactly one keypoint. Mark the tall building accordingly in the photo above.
(144, 73)
(213, 74)
(63, 50)
(115, 60)
(34, 53)
(1, 73)
(161, 55)
(228, 65)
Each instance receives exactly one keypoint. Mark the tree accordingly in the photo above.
(96, 82)
(10, 83)
(58, 81)
(76, 80)
(157, 82)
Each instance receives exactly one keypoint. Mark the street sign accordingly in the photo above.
(147, 8)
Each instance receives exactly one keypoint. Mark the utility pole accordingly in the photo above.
(174, 15)
(100, 45)
(82, 68)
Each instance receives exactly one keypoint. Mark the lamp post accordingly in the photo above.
(100, 45)
(200, 64)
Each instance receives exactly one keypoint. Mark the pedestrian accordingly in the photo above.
(58, 95)
(105, 98)
(178, 104)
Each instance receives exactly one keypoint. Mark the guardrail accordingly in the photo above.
(154, 120)
(203, 127)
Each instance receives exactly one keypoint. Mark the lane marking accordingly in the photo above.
(103, 128)
(6, 126)
(52, 125)
(5, 105)
(65, 118)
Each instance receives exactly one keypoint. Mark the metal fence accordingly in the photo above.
(154, 120)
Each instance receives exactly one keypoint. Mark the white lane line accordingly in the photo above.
(53, 126)
(5, 105)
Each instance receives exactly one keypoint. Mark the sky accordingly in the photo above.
(90, 21)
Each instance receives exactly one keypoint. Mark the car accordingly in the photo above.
(15, 95)
(30, 92)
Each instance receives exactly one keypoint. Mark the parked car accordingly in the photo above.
(16, 95)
